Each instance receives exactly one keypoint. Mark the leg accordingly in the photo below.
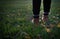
(36, 10)
(47, 5)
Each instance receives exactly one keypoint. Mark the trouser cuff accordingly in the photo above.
(46, 13)
(36, 16)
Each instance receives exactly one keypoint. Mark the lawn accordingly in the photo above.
(15, 22)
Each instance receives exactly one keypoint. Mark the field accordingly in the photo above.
(15, 22)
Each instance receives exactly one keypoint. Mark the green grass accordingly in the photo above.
(15, 24)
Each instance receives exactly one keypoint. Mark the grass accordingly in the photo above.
(15, 22)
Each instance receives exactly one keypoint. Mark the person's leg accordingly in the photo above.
(36, 10)
(47, 5)
(36, 7)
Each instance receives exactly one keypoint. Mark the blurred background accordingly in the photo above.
(15, 20)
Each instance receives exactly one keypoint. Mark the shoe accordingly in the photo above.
(46, 20)
(35, 21)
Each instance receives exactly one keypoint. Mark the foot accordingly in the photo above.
(35, 21)
(46, 20)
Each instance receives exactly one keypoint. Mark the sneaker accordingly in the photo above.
(32, 20)
(35, 21)
(46, 20)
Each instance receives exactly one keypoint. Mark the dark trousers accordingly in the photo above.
(37, 4)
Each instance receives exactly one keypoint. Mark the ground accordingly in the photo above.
(15, 21)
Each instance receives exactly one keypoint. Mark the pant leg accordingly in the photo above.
(47, 5)
(36, 7)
